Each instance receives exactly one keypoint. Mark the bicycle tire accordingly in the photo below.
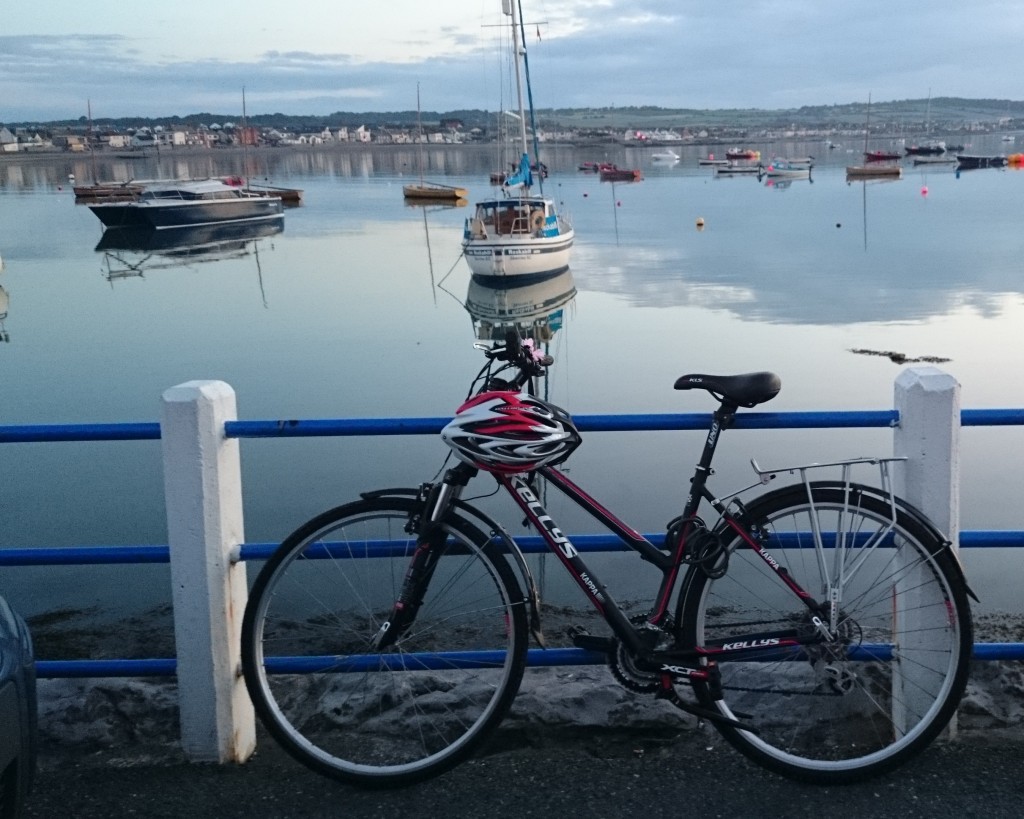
(413, 710)
(866, 703)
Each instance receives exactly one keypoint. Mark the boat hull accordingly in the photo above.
(160, 215)
(502, 258)
(968, 161)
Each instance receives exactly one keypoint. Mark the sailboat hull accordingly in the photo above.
(522, 238)
(504, 258)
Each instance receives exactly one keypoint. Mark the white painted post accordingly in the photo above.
(203, 493)
(928, 435)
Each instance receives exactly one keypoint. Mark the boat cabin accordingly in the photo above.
(511, 217)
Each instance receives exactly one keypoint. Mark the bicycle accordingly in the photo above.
(823, 628)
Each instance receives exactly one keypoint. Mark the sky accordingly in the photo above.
(60, 58)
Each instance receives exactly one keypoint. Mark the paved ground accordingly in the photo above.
(591, 773)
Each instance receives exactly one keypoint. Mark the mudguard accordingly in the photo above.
(902, 506)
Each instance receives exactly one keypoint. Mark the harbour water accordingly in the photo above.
(358, 308)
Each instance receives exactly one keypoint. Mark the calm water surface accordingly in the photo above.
(358, 308)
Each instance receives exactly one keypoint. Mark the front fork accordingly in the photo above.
(437, 499)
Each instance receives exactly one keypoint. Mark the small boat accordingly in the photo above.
(926, 149)
(799, 160)
(971, 161)
(880, 156)
(432, 191)
(934, 160)
(104, 191)
(589, 167)
(613, 173)
(188, 203)
(289, 196)
(738, 170)
(742, 153)
(712, 161)
(665, 157)
(518, 233)
(786, 170)
(873, 172)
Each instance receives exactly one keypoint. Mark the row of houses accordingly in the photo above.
(213, 136)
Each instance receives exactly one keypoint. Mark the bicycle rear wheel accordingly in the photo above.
(393, 716)
(876, 693)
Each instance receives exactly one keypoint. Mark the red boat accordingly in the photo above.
(742, 153)
(880, 156)
(613, 173)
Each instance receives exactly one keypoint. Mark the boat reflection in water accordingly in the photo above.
(132, 251)
(536, 309)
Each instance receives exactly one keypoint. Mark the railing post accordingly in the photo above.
(928, 435)
(203, 492)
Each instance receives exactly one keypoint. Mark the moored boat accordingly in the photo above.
(189, 203)
(934, 148)
(970, 161)
(434, 192)
(613, 173)
(742, 153)
(787, 170)
(733, 169)
(873, 172)
(880, 156)
(106, 191)
(518, 233)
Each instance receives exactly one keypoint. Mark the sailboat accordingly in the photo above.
(518, 233)
(873, 170)
(432, 191)
(929, 147)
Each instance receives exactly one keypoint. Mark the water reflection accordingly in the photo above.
(130, 252)
(536, 310)
(5, 301)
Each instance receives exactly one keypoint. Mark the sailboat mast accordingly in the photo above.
(510, 7)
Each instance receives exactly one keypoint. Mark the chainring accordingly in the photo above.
(624, 669)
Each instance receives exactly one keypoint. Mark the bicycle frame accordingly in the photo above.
(669, 563)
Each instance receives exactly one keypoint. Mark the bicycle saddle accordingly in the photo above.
(747, 390)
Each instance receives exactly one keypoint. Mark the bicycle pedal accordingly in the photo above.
(581, 638)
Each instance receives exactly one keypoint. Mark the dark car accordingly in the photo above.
(18, 717)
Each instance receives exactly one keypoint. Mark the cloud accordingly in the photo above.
(669, 53)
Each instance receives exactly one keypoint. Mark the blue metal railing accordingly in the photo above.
(90, 555)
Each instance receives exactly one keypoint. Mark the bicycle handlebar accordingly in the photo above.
(522, 355)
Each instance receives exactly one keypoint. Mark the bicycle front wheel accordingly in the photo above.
(871, 681)
(370, 716)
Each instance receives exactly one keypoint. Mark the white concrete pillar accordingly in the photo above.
(928, 435)
(203, 493)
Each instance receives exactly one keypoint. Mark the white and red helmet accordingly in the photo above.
(511, 432)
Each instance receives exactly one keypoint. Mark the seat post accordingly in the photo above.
(721, 419)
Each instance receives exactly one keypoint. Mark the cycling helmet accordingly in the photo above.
(510, 432)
